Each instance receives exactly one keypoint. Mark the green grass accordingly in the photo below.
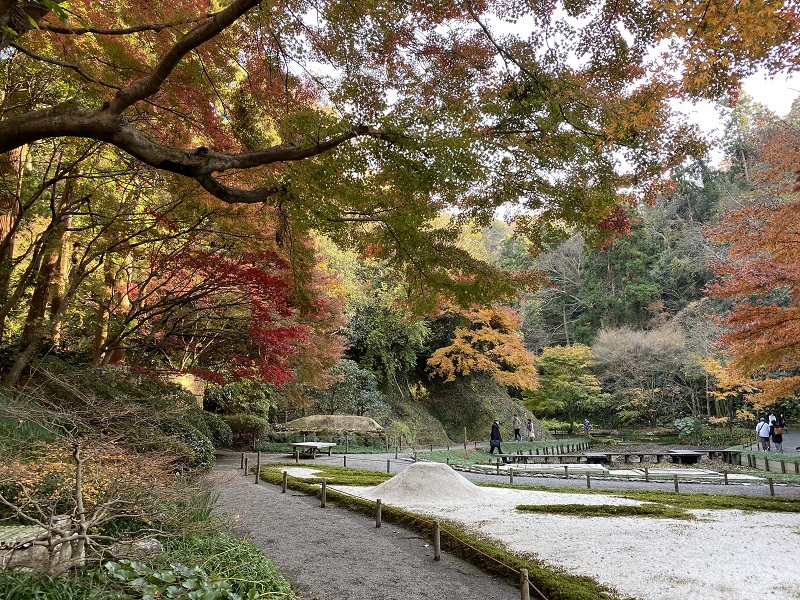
(235, 560)
(327, 473)
(85, 584)
(480, 456)
(658, 511)
(556, 584)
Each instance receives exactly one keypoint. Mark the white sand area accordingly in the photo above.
(723, 555)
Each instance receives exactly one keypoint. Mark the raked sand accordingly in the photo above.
(723, 555)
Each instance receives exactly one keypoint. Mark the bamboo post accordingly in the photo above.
(245, 464)
(388, 465)
(448, 461)
(524, 591)
(465, 438)
(378, 512)
(285, 483)
(566, 471)
(296, 455)
(510, 475)
(498, 466)
(437, 542)
(675, 481)
(646, 474)
(771, 486)
(346, 443)
(588, 481)
(258, 464)
(323, 499)
(431, 446)
(783, 466)
(797, 468)
(725, 477)
(241, 466)
(344, 461)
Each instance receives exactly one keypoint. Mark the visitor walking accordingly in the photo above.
(776, 432)
(762, 430)
(517, 424)
(782, 422)
(586, 426)
(495, 439)
(529, 429)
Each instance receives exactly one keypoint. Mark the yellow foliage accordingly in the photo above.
(490, 344)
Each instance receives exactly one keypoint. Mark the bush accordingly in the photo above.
(201, 450)
(240, 397)
(246, 429)
(725, 436)
(178, 581)
(210, 425)
(690, 429)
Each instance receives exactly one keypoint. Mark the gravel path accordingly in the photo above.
(336, 554)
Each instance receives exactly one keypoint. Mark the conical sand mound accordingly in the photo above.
(424, 482)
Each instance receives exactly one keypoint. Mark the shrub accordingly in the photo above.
(246, 429)
(178, 581)
(201, 449)
(243, 396)
(690, 429)
(210, 425)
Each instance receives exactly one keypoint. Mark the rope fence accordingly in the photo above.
(647, 476)
(453, 541)
(419, 523)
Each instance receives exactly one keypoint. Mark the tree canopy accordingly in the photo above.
(380, 115)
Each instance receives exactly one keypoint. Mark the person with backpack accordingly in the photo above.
(776, 432)
(763, 433)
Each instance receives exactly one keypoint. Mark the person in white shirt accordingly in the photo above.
(762, 429)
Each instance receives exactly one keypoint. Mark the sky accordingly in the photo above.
(777, 94)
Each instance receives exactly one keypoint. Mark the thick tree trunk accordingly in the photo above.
(59, 282)
(48, 270)
(45, 331)
(10, 185)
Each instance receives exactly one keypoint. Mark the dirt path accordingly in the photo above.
(335, 554)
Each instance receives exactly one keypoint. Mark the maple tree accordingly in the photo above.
(486, 342)
(760, 275)
(758, 271)
(731, 386)
(415, 107)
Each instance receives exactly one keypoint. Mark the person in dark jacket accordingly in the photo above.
(494, 438)
(776, 433)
